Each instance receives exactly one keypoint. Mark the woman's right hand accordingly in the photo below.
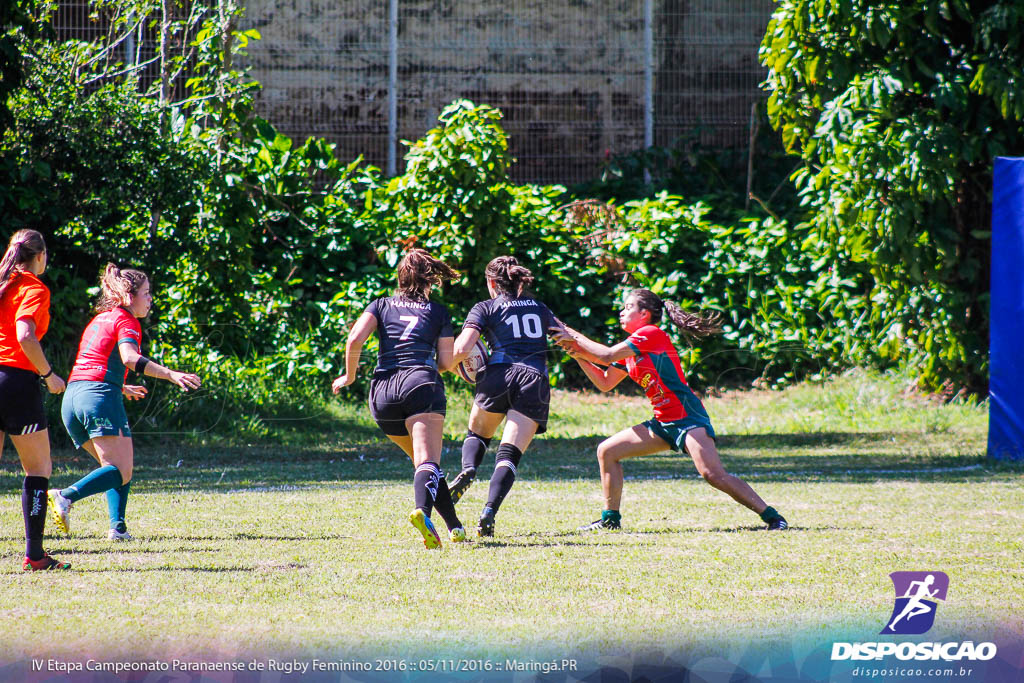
(342, 382)
(55, 384)
(185, 380)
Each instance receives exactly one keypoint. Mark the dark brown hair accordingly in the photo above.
(24, 246)
(418, 271)
(690, 326)
(117, 287)
(510, 278)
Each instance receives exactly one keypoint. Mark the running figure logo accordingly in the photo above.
(916, 593)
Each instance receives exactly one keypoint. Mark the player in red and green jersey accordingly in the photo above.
(93, 408)
(680, 421)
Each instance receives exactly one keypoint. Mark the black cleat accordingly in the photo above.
(485, 527)
(601, 524)
(777, 524)
(460, 485)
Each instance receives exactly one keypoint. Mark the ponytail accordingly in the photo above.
(510, 278)
(418, 271)
(118, 286)
(24, 246)
(690, 325)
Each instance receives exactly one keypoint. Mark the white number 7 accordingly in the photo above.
(410, 321)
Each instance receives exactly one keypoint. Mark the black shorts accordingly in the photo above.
(403, 393)
(501, 388)
(21, 402)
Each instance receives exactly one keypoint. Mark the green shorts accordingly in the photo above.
(674, 432)
(92, 409)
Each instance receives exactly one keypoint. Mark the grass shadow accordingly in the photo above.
(812, 456)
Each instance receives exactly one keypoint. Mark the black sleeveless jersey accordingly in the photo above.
(516, 330)
(408, 332)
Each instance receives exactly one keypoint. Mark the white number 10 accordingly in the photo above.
(530, 325)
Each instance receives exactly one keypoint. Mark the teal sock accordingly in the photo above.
(117, 501)
(769, 514)
(610, 516)
(97, 481)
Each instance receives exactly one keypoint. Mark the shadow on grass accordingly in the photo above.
(826, 457)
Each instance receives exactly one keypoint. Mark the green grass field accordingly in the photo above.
(305, 549)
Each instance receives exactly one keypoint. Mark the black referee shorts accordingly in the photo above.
(403, 393)
(21, 402)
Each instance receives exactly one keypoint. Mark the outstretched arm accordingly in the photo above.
(578, 344)
(361, 331)
(131, 357)
(605, 379)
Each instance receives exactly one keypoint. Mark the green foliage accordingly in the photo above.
(454, 198)
(262, 250)
(876, 98)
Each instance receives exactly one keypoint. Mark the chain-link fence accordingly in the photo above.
(577, 80)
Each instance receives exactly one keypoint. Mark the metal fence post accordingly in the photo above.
(392, 87)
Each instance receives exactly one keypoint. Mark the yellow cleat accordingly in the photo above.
(430, 538)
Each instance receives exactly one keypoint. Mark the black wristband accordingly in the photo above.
(140, 364)
(47, 374)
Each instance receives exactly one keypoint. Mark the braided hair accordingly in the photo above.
(510, 278)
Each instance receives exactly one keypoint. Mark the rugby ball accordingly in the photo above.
(473, 363)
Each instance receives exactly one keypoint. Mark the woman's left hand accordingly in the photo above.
(133, 392)
(342, 382)
(564, 337)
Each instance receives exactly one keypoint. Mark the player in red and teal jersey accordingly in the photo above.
(680, 421)
(93, 409)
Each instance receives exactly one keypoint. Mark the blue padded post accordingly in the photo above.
(1006, 336)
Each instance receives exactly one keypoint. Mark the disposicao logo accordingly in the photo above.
(913, 613)
(916, 595)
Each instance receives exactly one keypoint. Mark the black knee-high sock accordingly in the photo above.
(33, 508)
(473, 450)
(504, 474)
(424, 484)
(444, 505)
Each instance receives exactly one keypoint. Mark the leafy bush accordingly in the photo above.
(876, 98)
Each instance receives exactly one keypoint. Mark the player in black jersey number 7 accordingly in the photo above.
(406, 394)
(514, 385)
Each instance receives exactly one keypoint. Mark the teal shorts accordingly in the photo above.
(92, 409)
(674, 433)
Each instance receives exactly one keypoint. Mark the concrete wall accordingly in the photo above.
(568, 74)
